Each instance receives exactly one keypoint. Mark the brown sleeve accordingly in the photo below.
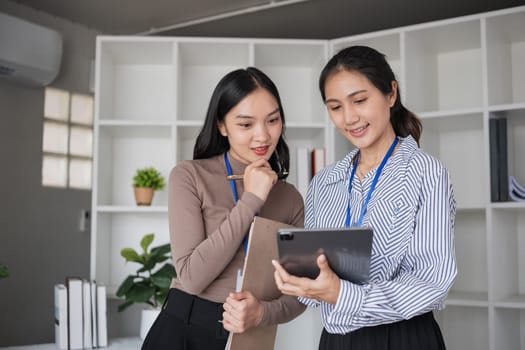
(297, 219)
(281, 310)
(200, 258)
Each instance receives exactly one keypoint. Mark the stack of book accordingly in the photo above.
(80, 314)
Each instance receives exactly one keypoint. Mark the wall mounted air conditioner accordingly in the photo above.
(29, 53)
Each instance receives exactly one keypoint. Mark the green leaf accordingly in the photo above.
(124, 305)
(3, 271)
(140, 293)
(161, 281)
(148, 177)
(161, 250)
(146, 241)
(166, 270)
(162, 295)
(162, 278)
(147, 286)
(125, 286)
(131, 254)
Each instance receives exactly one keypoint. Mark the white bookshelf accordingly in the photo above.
(152, 94)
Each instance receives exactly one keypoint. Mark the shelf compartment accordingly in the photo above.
(119, 230)
(454, 139)
(515, 141)
(477, 299)
(470, 235)
(124, 149)
(136, 80)
(508, 254)
(443, 67)
(186, 137)
(295, 70)
(464, 327)
(509, 329)
(201, 64)
(506, 58)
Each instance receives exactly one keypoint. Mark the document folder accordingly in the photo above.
(257, 277)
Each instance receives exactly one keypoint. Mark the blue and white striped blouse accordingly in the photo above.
(412, 212)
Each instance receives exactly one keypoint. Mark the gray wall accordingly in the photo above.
(39, 236)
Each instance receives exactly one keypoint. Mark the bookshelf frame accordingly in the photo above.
(455, 74)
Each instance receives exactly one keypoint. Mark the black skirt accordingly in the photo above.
(187, 322)
(418, 333)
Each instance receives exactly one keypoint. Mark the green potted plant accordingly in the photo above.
(145, 182)
(150, 284)
(3, 271)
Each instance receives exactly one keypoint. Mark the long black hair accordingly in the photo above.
(373, 65)
(230, 90)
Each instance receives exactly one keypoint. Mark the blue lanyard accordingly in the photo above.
(234, 192)
(372, 187)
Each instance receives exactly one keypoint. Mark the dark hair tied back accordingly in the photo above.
(373, 65)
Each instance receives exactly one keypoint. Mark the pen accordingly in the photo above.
(241, 176)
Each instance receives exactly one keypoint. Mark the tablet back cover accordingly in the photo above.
(348, 251)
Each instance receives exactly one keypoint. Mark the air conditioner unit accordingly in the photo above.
(29, 53)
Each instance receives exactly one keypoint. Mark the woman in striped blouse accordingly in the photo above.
(404, 194)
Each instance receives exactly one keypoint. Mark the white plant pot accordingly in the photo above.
(147, 317)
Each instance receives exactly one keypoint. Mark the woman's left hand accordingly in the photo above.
(324, 288)
(242, 311)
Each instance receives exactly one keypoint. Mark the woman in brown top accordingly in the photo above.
(209, 216)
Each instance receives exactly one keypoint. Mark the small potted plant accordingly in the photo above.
(3, 271)
(150, 284)
(145, 182)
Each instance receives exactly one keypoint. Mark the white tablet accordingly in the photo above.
(347, 250)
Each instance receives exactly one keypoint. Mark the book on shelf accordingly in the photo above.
(318, 160)
(499, 183)
(74, 312)
(516, 190)
(61, 316)
(94, 323)
(102, 322)
(493, 145)
(87, 333)
(503, 160)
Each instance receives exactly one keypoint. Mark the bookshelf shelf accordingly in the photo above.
(473, 299)
(456, 74)
(513, 302)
